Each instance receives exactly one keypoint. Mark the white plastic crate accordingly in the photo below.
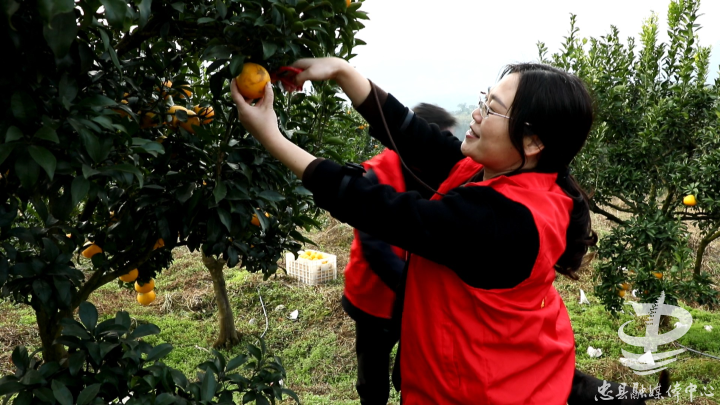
(311, 272)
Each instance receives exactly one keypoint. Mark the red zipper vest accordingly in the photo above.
(465, 345)
(363, 288)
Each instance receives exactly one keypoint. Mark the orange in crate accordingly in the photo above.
(312, 267)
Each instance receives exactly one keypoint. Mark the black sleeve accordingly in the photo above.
(421, 146)
(379, 255)
(382, 260)
(489, 240)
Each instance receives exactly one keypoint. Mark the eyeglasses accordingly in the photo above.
(485, 110)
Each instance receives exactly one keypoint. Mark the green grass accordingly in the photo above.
(318, 348)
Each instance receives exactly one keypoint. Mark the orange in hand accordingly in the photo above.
(252, 80)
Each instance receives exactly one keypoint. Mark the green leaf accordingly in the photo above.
(89, 171)
(145, 10)
(269, 49)
(42, 290)
(111, 50)
(75, 362)
(28, 171)
(44, 394)
(164, 399)
(44, 158)
(209, 384)
(236, 65)
(220, 191)
(32, 377)
(225, 218)
(88, 394)
(13, 134)
(236, 362)
(88, 315)
(271, 195)
(126, 168)
(159, 351)
(23, 106)
(61, 393)
(47, 134)
(10, 387)
(292, 394)
(50, 8)
(97, 100)
(61, 33)
(115, 11)
(205, 20)
(144, 330)
(71, 327)
(5, 150)
(79, 189)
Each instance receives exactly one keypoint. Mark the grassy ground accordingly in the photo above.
(317, 348)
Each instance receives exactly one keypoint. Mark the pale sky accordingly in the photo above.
(445, 52)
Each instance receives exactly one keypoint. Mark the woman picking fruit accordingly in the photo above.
(481, 320)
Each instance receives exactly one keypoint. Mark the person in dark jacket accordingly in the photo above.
(374, 271)
(481, 320)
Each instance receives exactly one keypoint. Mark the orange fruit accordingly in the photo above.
(255, 221)
(621, 293)
(183, 92)
(658, 275)
(187, 125)
(347, 2)
(145, 288)
(146, 298)
(689, 200)
(159, 243)
(122, 112)
(625, 286)
(252, 80)
(206, 114)
(91, 251)
(147, 120)
(130, 277)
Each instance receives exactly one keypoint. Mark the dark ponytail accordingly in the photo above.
(556, 106)
(580, 235)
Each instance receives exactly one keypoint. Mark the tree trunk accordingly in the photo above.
(228, 336)
(49, 329)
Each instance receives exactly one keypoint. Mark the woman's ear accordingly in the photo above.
(532, 145)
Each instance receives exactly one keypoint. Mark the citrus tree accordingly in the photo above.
(118, 131)
(652, 160)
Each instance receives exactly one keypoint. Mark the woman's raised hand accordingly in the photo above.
(355, 86)
(259, 119)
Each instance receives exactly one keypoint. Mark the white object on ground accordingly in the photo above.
(593, 352)
(708, 328)
(252, 321)
(279, 307)
(294, 314)
(679, 325)
(583, 297)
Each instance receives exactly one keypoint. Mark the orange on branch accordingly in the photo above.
(252, 80)
(187, 125)
(145, 299)
(183, 91)
(159, 243)
(91, 251)
(206, 114)
(145, 288)
(130, 277)
(689, 200)
(658, 275)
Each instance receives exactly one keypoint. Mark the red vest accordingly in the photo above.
(363, 288)
(466, 345)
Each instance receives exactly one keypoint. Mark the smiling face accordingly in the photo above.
(488, 139)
